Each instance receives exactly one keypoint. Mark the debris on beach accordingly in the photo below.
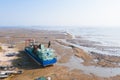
(10, 54)
(6, 56)
(7, 67)
(7, 73)
(43, 78)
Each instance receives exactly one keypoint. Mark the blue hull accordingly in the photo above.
(39, 61)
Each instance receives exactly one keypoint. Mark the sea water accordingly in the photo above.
(107, 39)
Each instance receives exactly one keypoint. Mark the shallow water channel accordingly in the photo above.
(76, 63)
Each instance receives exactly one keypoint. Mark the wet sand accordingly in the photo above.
(73, 62)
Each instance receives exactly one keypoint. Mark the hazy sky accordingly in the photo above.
(60, 12)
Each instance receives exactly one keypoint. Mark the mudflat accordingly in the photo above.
(73, 63)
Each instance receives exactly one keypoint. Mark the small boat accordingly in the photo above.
(5, 74)
(2, 76)
(8, 72)
(41, 55)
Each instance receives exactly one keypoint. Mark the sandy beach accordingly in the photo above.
(73, 63)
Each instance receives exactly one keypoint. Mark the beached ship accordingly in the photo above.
(40, 54)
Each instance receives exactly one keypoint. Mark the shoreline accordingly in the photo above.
(64, 51)
(101, 59)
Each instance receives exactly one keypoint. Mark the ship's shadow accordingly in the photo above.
(25, 62)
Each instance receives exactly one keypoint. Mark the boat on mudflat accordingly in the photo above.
(41, 55)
